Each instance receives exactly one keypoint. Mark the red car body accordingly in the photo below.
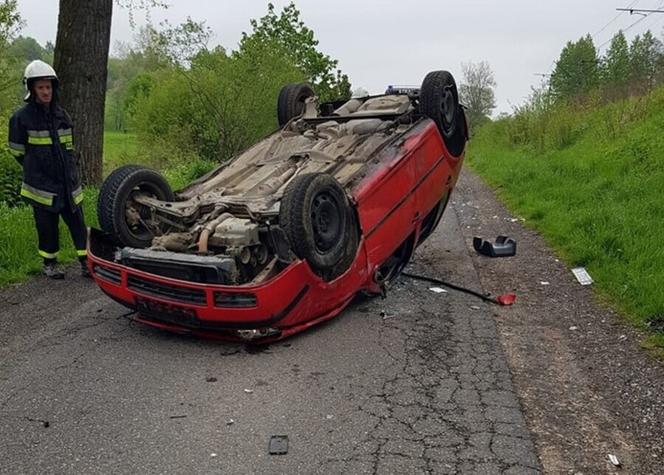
(397, 202)
(391, 203)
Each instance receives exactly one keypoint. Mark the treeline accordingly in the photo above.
(186, 100)
(625, 69)
(582, 81)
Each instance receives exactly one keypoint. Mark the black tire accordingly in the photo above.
(320, 224)
(116, 193)
(291, 101)
(439, 100)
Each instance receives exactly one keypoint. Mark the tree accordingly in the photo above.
(616, 64)
(27, 49)
(644, 53)
(299, 43)
(10, 74)
(576, 72)
(476, 92)
(10, 23)
(81, 57)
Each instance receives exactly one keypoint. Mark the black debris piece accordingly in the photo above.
(503, 247)
(278, 445)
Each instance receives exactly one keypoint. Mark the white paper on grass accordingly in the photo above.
(582, 276)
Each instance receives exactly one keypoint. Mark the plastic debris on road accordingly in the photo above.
(248, 391)
(278, 445)
(438, 290)
(582, 276)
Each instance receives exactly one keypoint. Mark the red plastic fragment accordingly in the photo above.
(506, 299)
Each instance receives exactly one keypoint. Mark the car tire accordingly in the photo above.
(115, 195)
(439, 100)
(320, 224)
(291, 99)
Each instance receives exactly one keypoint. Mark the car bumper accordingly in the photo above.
(293, 300)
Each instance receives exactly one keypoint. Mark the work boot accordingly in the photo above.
(85, 272)
(52, 271)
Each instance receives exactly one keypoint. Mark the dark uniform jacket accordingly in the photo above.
(40, 138)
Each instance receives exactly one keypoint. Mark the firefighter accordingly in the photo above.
(40, 138)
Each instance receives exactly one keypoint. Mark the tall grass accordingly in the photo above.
(590, 179)
(18, 253)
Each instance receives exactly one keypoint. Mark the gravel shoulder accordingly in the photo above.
(587, 387)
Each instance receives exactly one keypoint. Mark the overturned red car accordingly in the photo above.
(286, 233)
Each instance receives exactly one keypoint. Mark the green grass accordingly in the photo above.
(119, 149)
(596, 196)
(18, 253)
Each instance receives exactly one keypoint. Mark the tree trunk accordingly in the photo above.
(81, 62)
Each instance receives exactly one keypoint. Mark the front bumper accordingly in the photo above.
(293, 300)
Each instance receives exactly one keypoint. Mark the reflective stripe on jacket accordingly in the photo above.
(41, 140)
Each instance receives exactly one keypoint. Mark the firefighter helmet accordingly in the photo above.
(38, 69)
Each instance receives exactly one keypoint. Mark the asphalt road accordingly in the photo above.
(414, 383)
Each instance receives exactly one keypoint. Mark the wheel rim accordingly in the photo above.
(447, 109)
(325, 221)
(138, 218)
(301, 104)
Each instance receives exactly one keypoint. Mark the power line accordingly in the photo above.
(627, 29)
(632, 11)
(613, 19)
(594, 35)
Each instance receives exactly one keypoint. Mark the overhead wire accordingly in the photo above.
(614, 19)
(594, 35)
(630, 26)
(658, 19)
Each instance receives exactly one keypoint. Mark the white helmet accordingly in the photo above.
(38, 69)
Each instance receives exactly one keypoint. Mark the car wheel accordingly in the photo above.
(118, 213)
(291, 101)
(439, 100)
(320, 224)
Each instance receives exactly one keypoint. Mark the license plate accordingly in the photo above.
(167, 313)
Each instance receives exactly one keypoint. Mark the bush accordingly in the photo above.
(217, 108)
(11, 176)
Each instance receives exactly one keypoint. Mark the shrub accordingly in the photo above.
(10, 179)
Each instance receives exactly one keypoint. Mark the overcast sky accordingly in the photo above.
(397, 42)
